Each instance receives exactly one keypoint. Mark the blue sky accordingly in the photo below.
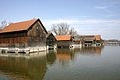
(86, 16)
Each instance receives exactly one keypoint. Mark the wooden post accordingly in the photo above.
(0, 51)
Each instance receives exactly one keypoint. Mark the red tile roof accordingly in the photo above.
(19, 26)
(90, 38)
(95, 37)
(63, 37)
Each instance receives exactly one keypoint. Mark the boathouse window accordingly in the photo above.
(37, 28)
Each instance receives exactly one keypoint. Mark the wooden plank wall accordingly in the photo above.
(13, 40)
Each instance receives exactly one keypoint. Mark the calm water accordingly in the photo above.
(64, 64)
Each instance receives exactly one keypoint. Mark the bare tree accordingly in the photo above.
(73, 32)
(3, 24)
(63, 29)
(60, 29)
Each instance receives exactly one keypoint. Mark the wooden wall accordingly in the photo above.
(63, 44)
(51, 40)
(35, 36)
(15, 39)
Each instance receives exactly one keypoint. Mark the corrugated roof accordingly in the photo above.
(63, 37)
(19, 26)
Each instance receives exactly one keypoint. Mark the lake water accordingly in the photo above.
(102, 63)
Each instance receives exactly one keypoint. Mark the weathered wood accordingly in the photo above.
(31, 40)
(35, 36)
(51, 41)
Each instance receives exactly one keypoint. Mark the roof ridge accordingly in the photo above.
(24, 21)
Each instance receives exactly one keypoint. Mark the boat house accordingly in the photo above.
(87, 40)
(51, 41)
(63, 41)
(93, 40)
(24, 34)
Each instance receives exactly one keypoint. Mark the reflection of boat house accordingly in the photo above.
(51, 41)
(89, 50)
(22, 68)
(63, 41)
(64, 54)
(30, 33)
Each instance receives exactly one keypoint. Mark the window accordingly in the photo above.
(37, 27)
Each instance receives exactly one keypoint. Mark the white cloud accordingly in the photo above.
(91, 26)
(80, 16)
(76, 21)
(100, 7)
(111, 15)
(109, 10)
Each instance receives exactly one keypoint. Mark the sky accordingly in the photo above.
(88, 17)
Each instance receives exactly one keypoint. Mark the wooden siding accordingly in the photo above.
(35, 36)
(63, 44)
(51, 40)
(15, 39)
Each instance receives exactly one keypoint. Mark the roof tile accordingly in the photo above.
(63, 37)
(19, 26)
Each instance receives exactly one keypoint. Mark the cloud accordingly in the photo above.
(111, 15)
(77, 21)
(80, 16)
(107, 9)
(100, 7)
(91, 26)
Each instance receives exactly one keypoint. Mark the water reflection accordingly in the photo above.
(51, 57)
(34, 66)
(89, 50)
(68, 54)
(65, 56)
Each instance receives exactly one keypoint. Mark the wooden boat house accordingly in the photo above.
(24, 34)
(93, 40)
(51, 41)
(63, 41)
(87, 41)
